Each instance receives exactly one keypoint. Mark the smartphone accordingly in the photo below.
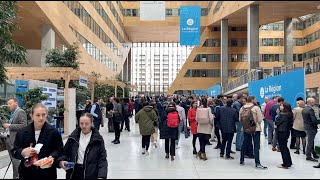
(69, 164)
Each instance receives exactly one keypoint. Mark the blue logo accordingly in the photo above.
(214, 90)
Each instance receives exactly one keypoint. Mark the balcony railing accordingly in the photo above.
(311, 66)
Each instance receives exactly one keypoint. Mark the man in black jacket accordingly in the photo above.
(310, 126)
(228, 118)
(97, 113)
(109, 115)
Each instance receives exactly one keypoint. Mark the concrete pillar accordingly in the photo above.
(253, 37)
(47, 42)
(288, 42)
(224, 52)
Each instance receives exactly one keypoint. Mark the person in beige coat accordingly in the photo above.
(204, 129)
(254, 136)
(298, 127)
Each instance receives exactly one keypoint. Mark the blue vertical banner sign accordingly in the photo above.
(21, 87)
(190, 25)
(289, 85)
(214, 91)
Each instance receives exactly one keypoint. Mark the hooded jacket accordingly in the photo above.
(147, 119)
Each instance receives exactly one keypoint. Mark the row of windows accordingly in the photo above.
(308, 39)
(202, 73)
(296, 26)
(215, 29)
(271, 42)
(232, 43)
(207, 58)
(169, 12)
(94, 52)
(236, 72)
(108, 21)
(84, 16)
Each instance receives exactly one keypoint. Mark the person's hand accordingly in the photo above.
(62, 165)
(6, 125)
(28, 152)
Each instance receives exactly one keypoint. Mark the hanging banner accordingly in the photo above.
(83, 81)
(214, 90)
(152, 10)
(200, 92)
(289, 85)
(21, 87)
(190, 25)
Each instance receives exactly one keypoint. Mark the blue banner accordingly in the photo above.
(200, 92)
(21, 87)
(190, 25)
(289, 85)
(214, 90)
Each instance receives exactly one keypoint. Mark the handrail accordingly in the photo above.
(311, 65)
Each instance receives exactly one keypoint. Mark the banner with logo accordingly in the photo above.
(289, 85)
(152, 11)
(214, 90)
(83, 81)
(190, 25)
(200, 92)
(21, 87)
(51, 103)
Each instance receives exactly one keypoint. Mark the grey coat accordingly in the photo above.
(19, 121)
(309, 118)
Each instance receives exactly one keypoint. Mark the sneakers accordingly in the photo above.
(177, 147)
(155, 145)
(297, 152)
(283, 167)
(232, 152)
(315, 156)
(259, 166)
(241, 163)
(167, 156)
(143, 150)
(311, 159)
(147, 153)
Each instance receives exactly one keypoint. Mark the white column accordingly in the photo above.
(47, 42)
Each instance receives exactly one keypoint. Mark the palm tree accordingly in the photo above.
(10, 51)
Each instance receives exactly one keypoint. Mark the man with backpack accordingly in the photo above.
(251, 118)
(126, 114)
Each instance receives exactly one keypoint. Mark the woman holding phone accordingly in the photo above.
(84, 155)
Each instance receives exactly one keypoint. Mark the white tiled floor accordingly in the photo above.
(126, 161)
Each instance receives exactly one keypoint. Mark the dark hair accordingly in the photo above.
(229, 102)
(250, 98)
(287, 108)
(36, 106)
(176, 101)
(173, 104)
(116, 99)
(216, 102)
(280, 99)
(191, 104)
(300, 98)
(126, 100)
(146, 103)
(204, 103)
(219, 96)
(14, 99)
(87, 115)
(245, 98)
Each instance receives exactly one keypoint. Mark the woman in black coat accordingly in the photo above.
(41, 132)
(284, 123)
(167, 133)
(85, 148)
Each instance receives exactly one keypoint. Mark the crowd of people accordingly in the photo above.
(208, 119)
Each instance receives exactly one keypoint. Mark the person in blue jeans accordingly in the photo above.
(255, 135)
(239, 137)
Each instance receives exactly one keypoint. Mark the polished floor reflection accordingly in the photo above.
(126, 161)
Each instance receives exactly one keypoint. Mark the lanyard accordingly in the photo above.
(12, 115)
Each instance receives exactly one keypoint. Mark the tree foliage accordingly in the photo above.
(10, 51)
(66, 58)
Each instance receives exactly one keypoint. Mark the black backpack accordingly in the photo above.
(126, 109)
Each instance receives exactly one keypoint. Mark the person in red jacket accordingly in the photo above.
(131, 108)
(193, 124)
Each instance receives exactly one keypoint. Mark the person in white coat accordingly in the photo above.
(183, 119)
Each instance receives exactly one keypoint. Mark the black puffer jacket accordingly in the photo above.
(165, 131)
(95, 158)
